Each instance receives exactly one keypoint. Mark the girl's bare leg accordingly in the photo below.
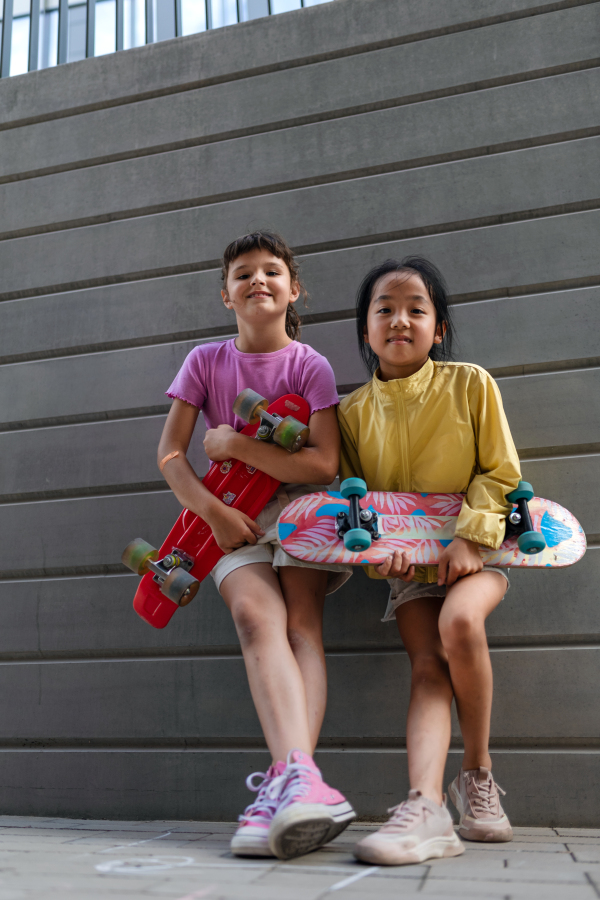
(304, 595)
(428, 726)
(467, 605)
(253, 594)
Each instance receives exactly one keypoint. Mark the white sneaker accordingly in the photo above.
(475, 795)
(252, 835)
(419, 829)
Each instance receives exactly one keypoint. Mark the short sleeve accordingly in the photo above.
(317, 383)
(190, 383)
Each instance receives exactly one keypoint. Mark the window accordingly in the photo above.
(37, 34)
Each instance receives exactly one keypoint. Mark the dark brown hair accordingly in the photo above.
(275, 244)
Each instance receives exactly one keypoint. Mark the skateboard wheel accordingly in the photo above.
(531, 542)
(136, 555)
(291, 434)
(353, 486)
(357, 539)
(524, 490)
(247, 405)
(180, 587)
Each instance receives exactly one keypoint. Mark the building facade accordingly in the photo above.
(465, 131)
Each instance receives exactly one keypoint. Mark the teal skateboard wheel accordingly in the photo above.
(357, 539)
(353, 486)
(531, 542)
(523, 490)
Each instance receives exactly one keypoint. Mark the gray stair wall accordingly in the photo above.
(465, 131)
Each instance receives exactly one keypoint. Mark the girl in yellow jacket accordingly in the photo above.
(426, 424)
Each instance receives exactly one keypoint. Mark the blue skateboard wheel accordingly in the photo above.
(531, 542)
(353, 486)
(523, 489)
(357, 539)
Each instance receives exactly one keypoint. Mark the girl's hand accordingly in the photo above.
(460, 558)
(397, 566)
(217, 442)
(231, 528)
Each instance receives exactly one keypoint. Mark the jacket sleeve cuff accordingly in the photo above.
(486, 529)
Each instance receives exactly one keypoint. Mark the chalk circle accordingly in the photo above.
(143, 865)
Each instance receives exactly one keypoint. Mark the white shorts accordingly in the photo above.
(403, 591)
(269, 550)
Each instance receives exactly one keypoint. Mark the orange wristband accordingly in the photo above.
(169, 456)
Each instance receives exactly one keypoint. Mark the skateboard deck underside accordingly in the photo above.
(236, 484)
(423, 525)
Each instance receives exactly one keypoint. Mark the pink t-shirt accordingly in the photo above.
(214, 374)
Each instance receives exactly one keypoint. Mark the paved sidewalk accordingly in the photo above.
(92, 860)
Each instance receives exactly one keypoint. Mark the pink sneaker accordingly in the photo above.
(309, 812)
(252, 835)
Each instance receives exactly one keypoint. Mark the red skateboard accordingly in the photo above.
(172, 575)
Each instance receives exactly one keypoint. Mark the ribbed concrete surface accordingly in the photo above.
(464, 131)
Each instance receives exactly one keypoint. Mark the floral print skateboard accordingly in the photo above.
(324, 528)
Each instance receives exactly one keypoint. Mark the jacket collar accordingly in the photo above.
(408, 387)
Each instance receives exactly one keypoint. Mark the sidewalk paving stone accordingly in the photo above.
(59, 859)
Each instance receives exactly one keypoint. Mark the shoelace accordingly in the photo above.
(297, 783)
(268, 795)
(404, 815)
(483, 798)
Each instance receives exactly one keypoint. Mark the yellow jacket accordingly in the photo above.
(442, 429)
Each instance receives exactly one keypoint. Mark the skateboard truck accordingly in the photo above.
(358, 527)
(286, 431)
(171, 572)
(518, 522)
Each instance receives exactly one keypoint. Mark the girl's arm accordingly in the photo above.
(231, 528)
(482, 519)
(316, 463)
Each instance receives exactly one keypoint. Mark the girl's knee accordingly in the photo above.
(461, 631)
(252, 622)
(304, 625)
(429, 668)
(304, 638)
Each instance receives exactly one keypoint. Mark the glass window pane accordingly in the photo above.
(134, 23)
(48, 40)
(315, 2)
(105, 36)
(223, 12)
(19, 50)
(253, 9)
(281, 6)
(193, 15)
(76, 35)
(163, 12)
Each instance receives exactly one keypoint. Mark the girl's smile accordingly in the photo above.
(401, 325)
(259, 284)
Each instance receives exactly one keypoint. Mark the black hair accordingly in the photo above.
(433, 280)
(275, 244)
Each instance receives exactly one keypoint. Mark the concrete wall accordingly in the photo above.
(467, 131)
